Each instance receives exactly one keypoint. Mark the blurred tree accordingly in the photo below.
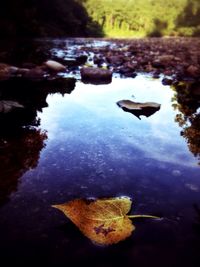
(45, 18)
(131, 18)
(188, 22)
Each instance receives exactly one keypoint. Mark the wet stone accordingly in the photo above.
(138, 109)
(167, 81)
(54, 66)
(96, 75)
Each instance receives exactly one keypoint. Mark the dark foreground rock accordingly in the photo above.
(21, 98)
(8, 105)
(96, 75)
(138, 109)
(31, 72)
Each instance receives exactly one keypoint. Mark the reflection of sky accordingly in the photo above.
(95, 149)
(89, 115)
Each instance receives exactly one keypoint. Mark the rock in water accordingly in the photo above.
(35, 74)
(54, 66)
(96, 75)
(7, 71)
(146, 109)
(7, 106)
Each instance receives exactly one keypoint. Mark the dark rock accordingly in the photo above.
(21, 72)
(167, 81)
(115, 60)
(70, 62)
(7, 106)
(36, 74)
(194, 71)
(127, 73)
(98, 60)
(28, 65)
(195, 89)
(128, 70)
(166, 59)
(146, 109)
(96, 75)
(7, 71)
(156, 75)
(60, 85)
(82, 59)
(130, 74)
(158, 64)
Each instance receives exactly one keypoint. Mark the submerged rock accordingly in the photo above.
(96, 75)
(146, 109)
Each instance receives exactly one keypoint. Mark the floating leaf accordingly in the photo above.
(104, 221)
(138, 109)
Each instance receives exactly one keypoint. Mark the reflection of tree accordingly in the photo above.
(19, 152)
(32, 95)
(20, 143)
(22, 51)
(188, 101)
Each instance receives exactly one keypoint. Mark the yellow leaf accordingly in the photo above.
(104, 221)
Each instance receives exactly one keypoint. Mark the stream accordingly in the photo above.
(85, 146)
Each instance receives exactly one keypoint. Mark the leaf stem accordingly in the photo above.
(143, 216)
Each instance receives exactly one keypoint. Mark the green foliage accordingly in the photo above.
(115, 18)
(131, 18)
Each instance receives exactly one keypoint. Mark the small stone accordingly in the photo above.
(167, 81)
(138, 109)
(54, 66)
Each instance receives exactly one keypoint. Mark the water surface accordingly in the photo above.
(86, 146)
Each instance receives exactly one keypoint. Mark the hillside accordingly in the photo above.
(146, 17)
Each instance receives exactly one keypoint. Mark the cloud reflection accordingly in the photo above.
(90, 113)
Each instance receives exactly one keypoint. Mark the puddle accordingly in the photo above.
(88, 147)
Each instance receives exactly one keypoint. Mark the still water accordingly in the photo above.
(86, 146)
